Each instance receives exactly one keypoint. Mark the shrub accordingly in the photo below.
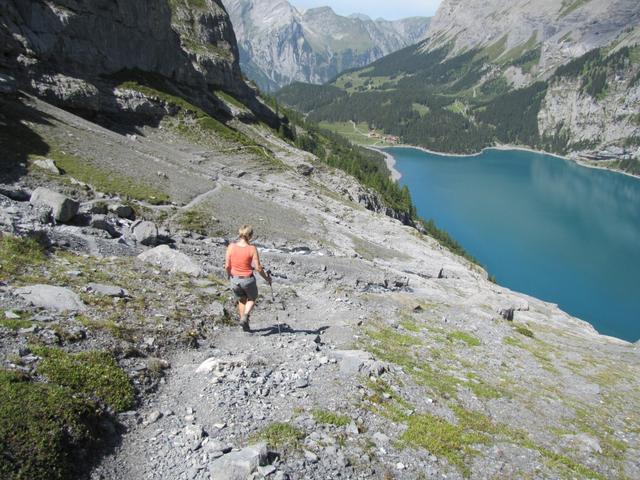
(92, 374)
(42, 428)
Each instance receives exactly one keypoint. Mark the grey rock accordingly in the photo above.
(239, 465)
(144, 232)
(102, 222)
(51, 297)
(266, 470)
(15, 193)
(10, 315)
(122, 211)
(194, 432)
(305, 169)
(48, 165)
(153, 417)
(63, 208)
(302, 383)
(171, 260)
(310, 457)
(107, 290)
(351, 361)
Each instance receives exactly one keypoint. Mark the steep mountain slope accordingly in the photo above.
(74, 52)
(380, 352)
(279, 44)
(563, 76)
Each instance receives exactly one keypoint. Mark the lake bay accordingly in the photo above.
(541, 225)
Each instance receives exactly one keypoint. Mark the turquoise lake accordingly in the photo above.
(541, 225)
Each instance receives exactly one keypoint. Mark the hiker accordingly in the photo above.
(240, 261)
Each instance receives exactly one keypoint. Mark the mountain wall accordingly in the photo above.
(280, 45)
(74, 52)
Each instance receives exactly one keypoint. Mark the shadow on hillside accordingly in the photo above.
(286, 328)
(18, 140)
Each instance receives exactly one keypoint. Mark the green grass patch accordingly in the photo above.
(465, 337)
(524, 331)
(514, 342)
(281, 436)
(230, 100)
(330, 418)
(19, 255)
(443, 439)
(197, 221)
(41, 427)
(107, 181)
(91, 374)
(15, 323)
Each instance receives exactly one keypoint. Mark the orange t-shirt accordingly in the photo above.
(240, 260)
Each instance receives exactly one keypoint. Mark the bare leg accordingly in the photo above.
(249, 306)
(242, 306)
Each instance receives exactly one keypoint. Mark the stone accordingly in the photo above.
(310, 457)
(507, 313)
(266, 470)
(351, 361)
(107, 290)
(239, 465)
(380, 439)
(171, 260)
(305, 169)
(102, 222)
(144, 232)
(10, 315)
(153, 417)
(48, 165)
(51, 297)
(302, 383)
(15, 193)
(122, 211)
(194, 432)
(63, 208)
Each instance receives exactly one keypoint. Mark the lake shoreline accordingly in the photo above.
(503, 147)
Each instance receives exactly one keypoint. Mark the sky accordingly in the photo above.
(390, 10)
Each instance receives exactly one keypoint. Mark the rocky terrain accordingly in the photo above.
(378, 353)
(280, 45)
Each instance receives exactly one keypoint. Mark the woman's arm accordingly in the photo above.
(227, 261)
(258, 266)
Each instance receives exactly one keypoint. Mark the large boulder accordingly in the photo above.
(144, 232)
(171, 260)
(63, 208)
(239, 465)
(51, 298)
(122, 211)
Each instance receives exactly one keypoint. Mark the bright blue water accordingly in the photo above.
(542, 225)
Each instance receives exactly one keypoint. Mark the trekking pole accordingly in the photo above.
(273, 302)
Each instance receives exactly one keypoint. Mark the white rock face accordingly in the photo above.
(171, 261)
(601, 122)
(565, 33)
(51, 297)
(279, 44)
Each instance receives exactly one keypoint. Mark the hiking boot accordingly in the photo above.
(244, 323)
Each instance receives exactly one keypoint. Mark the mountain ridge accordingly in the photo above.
(280, 44)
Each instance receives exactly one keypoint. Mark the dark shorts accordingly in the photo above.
(245, 288)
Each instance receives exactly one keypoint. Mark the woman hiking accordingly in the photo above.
(240, 262)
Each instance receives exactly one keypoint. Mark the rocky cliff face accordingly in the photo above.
(73, 52)
(279, 44)
(527, 42)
